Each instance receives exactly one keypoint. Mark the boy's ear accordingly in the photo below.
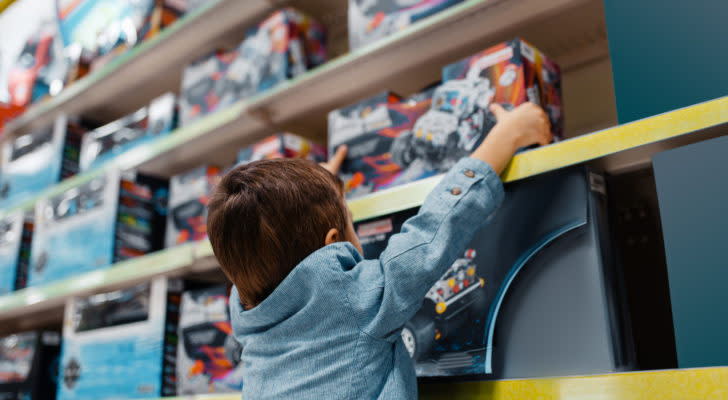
(332, 236)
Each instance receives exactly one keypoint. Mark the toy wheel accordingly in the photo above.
(418, 336)
(402, 151)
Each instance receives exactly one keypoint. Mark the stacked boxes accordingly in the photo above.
(283, 145)
(16, 231)
(33, 162)
(283, 46)
(139, 128)
(450, 126)
(110, 218)
(374, 130)
(121, 344)
(370, 20)
(26, 365)
(208, 356)
(189, 195)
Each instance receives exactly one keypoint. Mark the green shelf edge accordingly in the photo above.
(154, 264)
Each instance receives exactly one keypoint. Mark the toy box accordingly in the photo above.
(122, 344)
(33, 162)
(283, 46)
(203, 84)
(370, 20)
(16, 231)
(510, 73)
(122, 135)
(374, 130)
(109, 219)
(172, 10)
(208, 356)
(189, 195)
(283, 145)
(29, 365)
(41, 67)
(534, 293)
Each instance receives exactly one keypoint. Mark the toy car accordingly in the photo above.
(451, 302)
(456, 122)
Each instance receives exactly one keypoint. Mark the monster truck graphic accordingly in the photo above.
(451, 302)
(456, 122)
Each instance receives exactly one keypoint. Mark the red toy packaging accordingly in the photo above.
(189, 195)
(374, 130)
(283, 145)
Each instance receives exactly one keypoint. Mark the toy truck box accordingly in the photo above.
(203, 85)
(189, 195)
(33, 162)
(208, 356)
(283, 46)
(283, 145)
(15, 235)
(534, 294)
(509, 73)
(129, 132)
(371, 20)
(96, 224)
(373, 130)
(122, 344)
(29, 365)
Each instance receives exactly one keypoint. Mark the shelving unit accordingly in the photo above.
(571, 31)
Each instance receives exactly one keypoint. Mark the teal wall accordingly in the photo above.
(666, 54)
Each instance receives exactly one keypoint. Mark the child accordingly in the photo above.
(316, 320)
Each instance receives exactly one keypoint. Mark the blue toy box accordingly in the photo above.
(28, 363)
(189, 194)
(208, 356)
(33, 162)
(11, 239)
(129, 132)
(122, 344)
(371, 20)
(108, 219)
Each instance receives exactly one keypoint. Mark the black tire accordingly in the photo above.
(418, 336)
(401, 150)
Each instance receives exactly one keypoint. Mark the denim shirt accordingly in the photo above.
(331, 329)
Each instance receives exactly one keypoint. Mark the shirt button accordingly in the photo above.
(455, 191)
(469, 173)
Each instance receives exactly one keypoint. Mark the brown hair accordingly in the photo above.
(267, 216)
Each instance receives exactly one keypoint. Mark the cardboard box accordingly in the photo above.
(121, 344)
(189, 195)
(510, 73)
(374, 130)
(370, 21)
(283, 46)
(203, 85)
(208, 356)
(26, 365)
(137, 129)
(283, 145)
(33, 162)
(94, 225)
(16, 231)
(534, 294)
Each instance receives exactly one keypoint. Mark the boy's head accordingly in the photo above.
(267, 216)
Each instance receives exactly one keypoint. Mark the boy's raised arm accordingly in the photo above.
(391, 289)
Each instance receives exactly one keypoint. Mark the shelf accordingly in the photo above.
(46, 302)
(698, 383)
(614, 150)
(147, 70)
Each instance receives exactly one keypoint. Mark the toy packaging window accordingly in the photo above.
(208, 356)
(121, 344)
(532, 295)
(189, 195)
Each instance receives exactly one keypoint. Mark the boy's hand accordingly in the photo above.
(526, 125)
(334, 164)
